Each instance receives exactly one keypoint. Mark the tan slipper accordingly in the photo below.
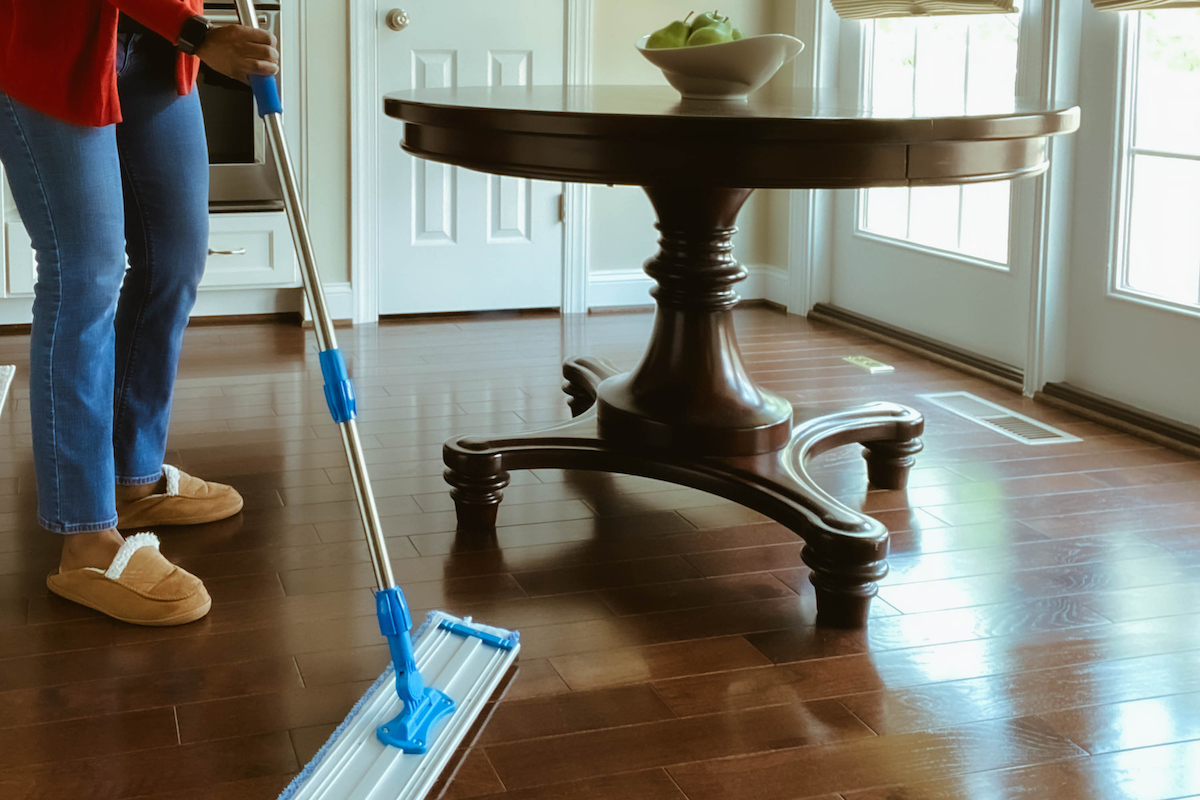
(140, 586)
(187, 501)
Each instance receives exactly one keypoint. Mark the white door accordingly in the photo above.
(944, 262)
(1133, 331)
(452, 239)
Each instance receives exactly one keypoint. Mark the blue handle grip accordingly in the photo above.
(339, 391)
(266, 94)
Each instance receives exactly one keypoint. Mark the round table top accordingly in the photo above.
(647, 135)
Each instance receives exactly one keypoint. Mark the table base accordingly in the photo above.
(846, 549)
(690, 414)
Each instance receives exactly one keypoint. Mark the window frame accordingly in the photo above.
(1125, 150)
(864, 40)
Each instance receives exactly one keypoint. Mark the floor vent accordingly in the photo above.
(999, 419)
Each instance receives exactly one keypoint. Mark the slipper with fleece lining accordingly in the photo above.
(186, 501)
(139, 587)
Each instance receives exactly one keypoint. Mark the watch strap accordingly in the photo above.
(192, 34)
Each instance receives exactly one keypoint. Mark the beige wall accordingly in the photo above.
(328, 145)
(622, 220)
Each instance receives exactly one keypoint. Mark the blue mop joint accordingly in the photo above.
(339, 391)
(424, 706)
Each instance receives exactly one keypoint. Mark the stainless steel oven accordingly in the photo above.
(241, 174)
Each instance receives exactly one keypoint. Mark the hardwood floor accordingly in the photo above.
(1038, 636)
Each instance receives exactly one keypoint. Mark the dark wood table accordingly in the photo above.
(689, 413)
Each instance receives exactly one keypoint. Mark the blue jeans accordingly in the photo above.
(105, 341)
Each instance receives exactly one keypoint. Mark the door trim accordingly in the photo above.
(363, 21)
(1058, 47)
(810, 211)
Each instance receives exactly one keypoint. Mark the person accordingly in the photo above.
(102, 142)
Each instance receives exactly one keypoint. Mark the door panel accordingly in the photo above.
(946, 262)
(1134, 314)
(452, 239)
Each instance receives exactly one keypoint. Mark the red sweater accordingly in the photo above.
(59, 56)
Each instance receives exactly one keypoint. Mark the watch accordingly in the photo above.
(192, 34)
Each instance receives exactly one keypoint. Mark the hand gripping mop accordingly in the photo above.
(396, 742)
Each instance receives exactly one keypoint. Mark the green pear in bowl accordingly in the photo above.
(730, 68)
(706, 19)
(673, 35)
(711, 34)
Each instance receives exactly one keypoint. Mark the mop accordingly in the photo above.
(401, 735)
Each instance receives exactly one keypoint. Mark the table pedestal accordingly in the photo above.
(691, 415)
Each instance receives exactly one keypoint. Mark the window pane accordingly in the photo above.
(893, 61)
(1164, 229)
(985, 220)
(992, 62)
(934, 217)
(887, 211)
(943, 65)
(1168, 81)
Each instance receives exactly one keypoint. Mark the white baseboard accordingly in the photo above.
(239, 302)
(339, 299)
(632, 287)
(218, 303)
(229, 302)
(16, 311)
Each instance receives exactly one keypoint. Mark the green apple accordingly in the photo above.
(706, 19)
(674, 35)
(711, 34)
(737, 34)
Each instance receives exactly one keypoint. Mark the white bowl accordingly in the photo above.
(725, 71)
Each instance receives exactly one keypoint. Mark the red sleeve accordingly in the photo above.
(164, 17)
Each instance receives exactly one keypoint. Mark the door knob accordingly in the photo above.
(397, 19)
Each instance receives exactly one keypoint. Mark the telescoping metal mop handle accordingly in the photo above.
(423, 705)
(339, 391)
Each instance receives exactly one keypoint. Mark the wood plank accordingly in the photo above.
(1155, 773)
(113, 735)
(646, 785)
(105, 696)
(1129, 725)
(656, 662)
(247, 715)
(574, 712)
(657, 744)
(694, 593)
(874, 761)
(1024, 693)
(163, 769)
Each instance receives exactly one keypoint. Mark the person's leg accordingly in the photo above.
(66, 182)
(67, 186)
(164, 168)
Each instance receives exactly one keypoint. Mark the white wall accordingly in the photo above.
(328, 163)
(623, 236)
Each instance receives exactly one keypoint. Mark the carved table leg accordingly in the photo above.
(477, 478)
(888, 462)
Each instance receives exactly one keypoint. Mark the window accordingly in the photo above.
(1158, 215)
(941, 65)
